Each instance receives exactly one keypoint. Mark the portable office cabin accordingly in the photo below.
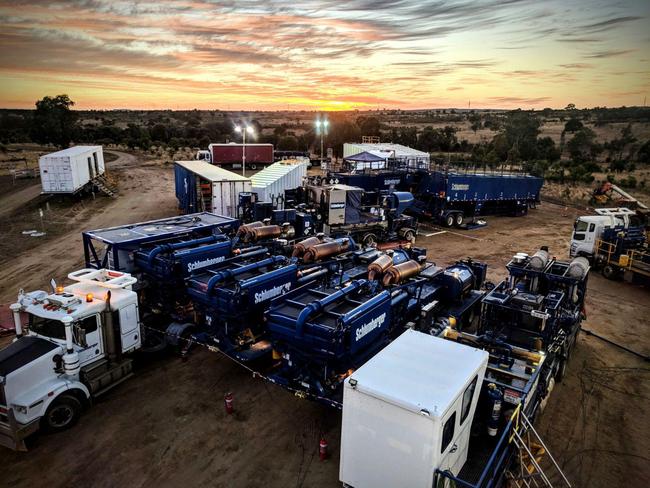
(408, 411)
(203, 187)
(272, 181)
(69, 170)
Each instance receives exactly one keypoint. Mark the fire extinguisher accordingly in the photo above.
(228, 403)
(322, 450)
(495, 400)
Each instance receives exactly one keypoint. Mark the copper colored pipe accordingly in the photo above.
(324, 250)
(264, 232)
(379, 266)
(300, 248)
(245, 228)
(397, 274)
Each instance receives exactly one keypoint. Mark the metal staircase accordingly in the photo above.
(102, 184)
(536, 467)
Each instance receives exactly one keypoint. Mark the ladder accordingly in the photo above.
(104, 186)
(532, 453)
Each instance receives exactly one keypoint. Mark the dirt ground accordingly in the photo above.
(167, 426)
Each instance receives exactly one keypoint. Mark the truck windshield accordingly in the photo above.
(47, 327)
(581, 226)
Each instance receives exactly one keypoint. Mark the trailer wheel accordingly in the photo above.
(449, 220)
(252, 166)
(610, 272)
(369, 240)
(561, 371)
(549, 389)
(62, 414)
(409, 235)
(458, 221)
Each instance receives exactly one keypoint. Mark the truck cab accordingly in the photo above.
(588, 229)
(71, 348)
(203, 155)
(408, 412)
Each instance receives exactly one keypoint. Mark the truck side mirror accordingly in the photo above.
(80, 334)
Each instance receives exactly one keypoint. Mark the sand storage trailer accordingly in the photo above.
(72, 169)
(202, 187)
(271, 183)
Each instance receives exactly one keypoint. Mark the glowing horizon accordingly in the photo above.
(319, 55)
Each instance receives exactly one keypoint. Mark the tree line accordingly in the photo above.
(515, 135)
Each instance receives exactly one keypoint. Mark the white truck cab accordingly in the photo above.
(408, 411)
(588, 229)
(69, 350)
(203, 155)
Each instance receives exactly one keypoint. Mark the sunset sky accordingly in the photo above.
(325, 55)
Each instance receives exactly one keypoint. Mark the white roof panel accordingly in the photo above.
(388, 149)
(73, 151)
(211, 172)
(418, 371)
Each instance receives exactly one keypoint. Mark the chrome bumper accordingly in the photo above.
(13, 434)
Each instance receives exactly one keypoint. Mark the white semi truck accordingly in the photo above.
(75, 346)
(614, 241)
(409, 411)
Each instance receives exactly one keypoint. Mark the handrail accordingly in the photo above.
(496, 458)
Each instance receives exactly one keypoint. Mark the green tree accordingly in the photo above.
(643, 155)
(54, 121)
(287, 143)
(572, 125)
(521, 130)
(369, 126)
(582, 146)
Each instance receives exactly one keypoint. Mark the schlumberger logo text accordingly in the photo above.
(202, 264)
(260, 296)
(459, 187)
(370, 326)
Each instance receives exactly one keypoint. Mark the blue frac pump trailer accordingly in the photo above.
(321, 334)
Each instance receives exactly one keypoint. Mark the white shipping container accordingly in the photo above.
(272, 181)
(408, 411)
(225, 187)
(69, 170)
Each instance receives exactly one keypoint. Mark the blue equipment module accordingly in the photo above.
(113, 247)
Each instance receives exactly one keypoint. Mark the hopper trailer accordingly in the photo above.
(451, 197)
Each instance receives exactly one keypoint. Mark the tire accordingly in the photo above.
(449, 220)
(409, 235)
(561, 371)
(63, 413)
(458, 220)
(610, 272)
(369, 240)
(544, 402)
(252, 166)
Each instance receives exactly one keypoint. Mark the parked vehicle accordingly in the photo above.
(369, 217)
(77, 346)
(614, 241)
(458, 409)
(450, 197)
(232, 153)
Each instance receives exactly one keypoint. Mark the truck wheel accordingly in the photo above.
(409, 235)
(561, 371)
(449, 220)
(458, 221)
(253, 166)
(369, 240)
(610, 272)
(62, 414)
